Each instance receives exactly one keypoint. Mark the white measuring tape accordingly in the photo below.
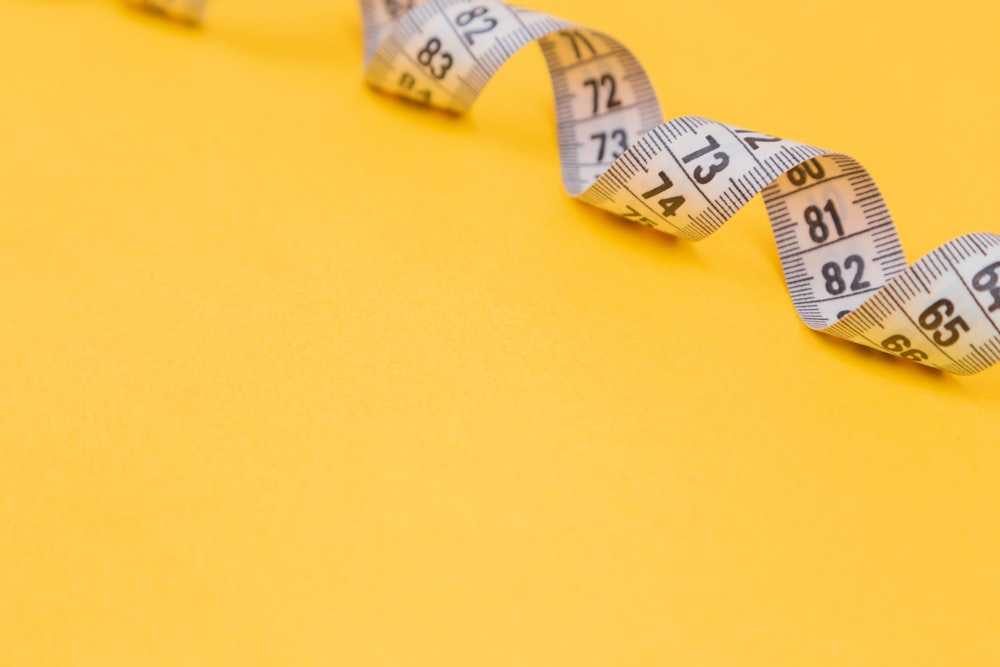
(840, 253)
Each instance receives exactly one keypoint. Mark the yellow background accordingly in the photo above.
(293, 373)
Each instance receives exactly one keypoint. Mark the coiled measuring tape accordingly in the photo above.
(840, 253)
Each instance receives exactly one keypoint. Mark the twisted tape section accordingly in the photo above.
(840, 253)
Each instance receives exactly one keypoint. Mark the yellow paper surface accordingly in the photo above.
(293, 373)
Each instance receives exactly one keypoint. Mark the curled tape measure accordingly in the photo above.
(840, 253)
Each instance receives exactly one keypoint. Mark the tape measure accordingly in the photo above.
(840, 253)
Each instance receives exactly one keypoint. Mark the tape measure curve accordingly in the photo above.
(840, 253)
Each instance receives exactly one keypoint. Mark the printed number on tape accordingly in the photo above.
(840, 253)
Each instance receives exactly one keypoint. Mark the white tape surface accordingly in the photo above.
(841, 255)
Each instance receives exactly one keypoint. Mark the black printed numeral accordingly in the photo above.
(484, 23)
(801, 174)
(668, 204)
(900, 344)
(606, 81)
(577, 40)
(836, 283)
(933, 319)
(408, 81)
(815, 217)
(633, 214)
(986, 281)
(432, 52)
(755, 141)
(617, 136)
(702, 174)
